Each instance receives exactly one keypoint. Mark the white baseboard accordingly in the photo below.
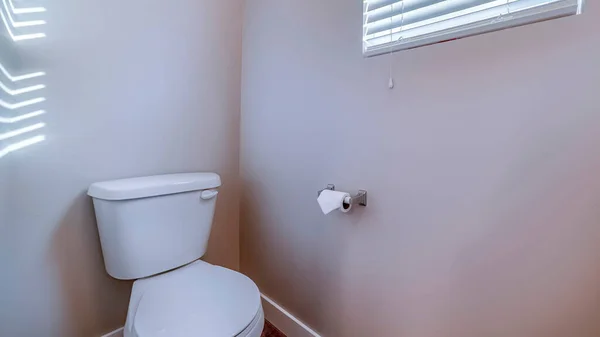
(284, 321)
(116, 333)
(274, 313)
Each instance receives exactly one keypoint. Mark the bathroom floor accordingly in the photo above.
(271, 331)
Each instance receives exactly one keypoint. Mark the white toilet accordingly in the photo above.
(155, 229)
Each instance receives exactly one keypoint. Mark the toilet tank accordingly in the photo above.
(154, 224)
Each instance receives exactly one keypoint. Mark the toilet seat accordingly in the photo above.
(196, 300)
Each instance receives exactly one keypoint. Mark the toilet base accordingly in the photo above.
(256, 327)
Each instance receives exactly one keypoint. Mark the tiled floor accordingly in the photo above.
(271, 331)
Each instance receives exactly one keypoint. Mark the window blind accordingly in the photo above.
(391, 25)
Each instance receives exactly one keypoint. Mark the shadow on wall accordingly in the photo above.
(93, 300)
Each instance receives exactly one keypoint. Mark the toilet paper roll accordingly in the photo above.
(346, 204)
(332, 200)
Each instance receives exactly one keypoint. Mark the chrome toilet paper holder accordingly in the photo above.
(359, 199)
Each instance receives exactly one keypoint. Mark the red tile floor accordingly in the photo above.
(271, 331)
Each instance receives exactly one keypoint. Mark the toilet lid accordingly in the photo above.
(197, 300)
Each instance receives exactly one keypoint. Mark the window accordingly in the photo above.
(391, 25)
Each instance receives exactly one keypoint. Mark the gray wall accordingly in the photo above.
(483, 168)
(5, 218)
(4, 181)
(134, 88)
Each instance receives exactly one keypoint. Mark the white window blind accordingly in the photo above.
(391, 25)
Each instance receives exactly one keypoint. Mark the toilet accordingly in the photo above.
(155, 230)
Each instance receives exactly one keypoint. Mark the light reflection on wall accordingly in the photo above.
(21, 95)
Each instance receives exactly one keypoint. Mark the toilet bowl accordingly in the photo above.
(196, 300)
(154, 230)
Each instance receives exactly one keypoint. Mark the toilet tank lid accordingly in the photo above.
(144, 187)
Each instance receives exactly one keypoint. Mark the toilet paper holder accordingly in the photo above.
(359, 199)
